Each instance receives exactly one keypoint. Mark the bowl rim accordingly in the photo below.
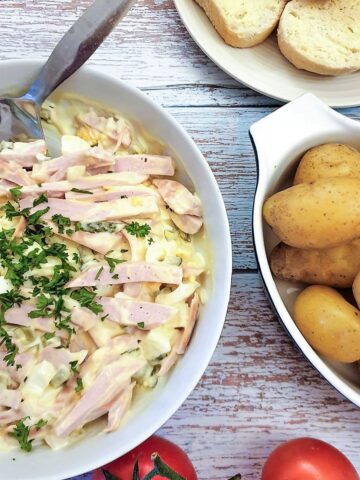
(269, 284)
(226, 268)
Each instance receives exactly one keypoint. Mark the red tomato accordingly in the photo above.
(169, 453)
(308, 459)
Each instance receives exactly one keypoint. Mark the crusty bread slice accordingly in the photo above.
(243, 23)
(321, 36)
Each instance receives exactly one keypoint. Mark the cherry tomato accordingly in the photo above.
(308, 459)
(169, 453)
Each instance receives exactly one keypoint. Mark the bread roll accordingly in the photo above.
(321, 36)
(243, 23)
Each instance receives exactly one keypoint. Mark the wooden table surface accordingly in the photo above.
(258, 389)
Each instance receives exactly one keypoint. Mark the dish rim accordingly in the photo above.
(269, 283)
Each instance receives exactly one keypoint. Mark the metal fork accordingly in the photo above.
(21, 116)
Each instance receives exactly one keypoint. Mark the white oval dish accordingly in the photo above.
(280, 139)
(159, 405)
(264, 68)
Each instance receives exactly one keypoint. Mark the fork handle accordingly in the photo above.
(77, 45)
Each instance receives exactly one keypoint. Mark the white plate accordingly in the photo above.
(263, 68)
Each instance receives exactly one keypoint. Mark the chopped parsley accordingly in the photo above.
(77, 190)
(16, 193)
(64, 324)
(76, 258)
(11, 348)
(112, 262)
(79, 385)
(35, 217)
(73, 366)
(61, 222)
(137, 229)
(48, 335)
(97, 227)
(8, 300)
(11, 212)
(86, 299)
(42, 199)
(11, 298)
(150, 241)
(104, 317)
(141, 325)
(40, 424)
(99, 272)
(21, 434)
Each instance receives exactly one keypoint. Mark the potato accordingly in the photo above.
(321, 214)
(329, 323)
(356, 288)
(335, 267)
(327, 161)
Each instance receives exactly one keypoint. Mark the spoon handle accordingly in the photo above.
(77, 45)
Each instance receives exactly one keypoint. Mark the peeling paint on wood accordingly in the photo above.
(258, 389)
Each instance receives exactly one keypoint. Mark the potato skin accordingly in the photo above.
(329, 323)
(321, 214)
(328, 161)
(356, 288)
(334, 267)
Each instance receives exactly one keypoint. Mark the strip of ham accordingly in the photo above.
(178, 197)
(57, 167)
(83, 318)
(58, 357)
(101, 242)
(19, 315)
(20, 228)
(137, 247)
(113, 193)
(187, 223)
(5, 186)
(128, 272)
(146, 164)
(82, 341)
(95, 181)
(107, 354)
(10, 398)
(190, 325)
(105, 407)
(130, 312)
(13, 172)
(94, 212)
(24, 154)
(18, 374)
(108, 384)
(119, 407)
(115, 130)
(10, 416)
(170, 360)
